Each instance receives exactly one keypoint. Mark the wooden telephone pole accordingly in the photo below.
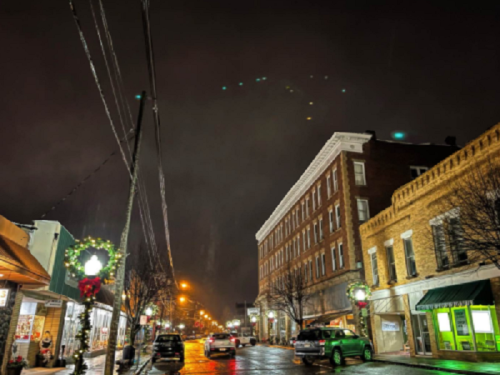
(120, 274)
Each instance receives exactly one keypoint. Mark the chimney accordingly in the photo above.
(372, 132)
(451, 140)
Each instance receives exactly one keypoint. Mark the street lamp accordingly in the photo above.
(124, 296)
(92, 266)
(270, 315)
(184, 285)
(253, 319)
(182, 326)
(206, 316)
(182, 299)
(360, 295)
(149, 311)
(202, 312)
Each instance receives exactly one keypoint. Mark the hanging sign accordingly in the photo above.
(54, 303)
(4, 295)
(253, 311)
(144, 320)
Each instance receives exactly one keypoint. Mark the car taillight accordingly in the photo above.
(322, 342)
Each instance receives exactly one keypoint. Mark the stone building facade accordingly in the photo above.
(314, 229)
(412, 306)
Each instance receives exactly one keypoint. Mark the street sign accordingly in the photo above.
(253, 311)
(54, 303)
(144, 320)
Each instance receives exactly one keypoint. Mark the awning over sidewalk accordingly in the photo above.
(19, 265)
(475, 293)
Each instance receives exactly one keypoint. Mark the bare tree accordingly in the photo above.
(288, 291)
(467, 228)
(142, 286)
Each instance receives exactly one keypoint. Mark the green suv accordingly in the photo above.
(333, 343)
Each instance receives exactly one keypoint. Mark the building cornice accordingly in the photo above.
(352, 142)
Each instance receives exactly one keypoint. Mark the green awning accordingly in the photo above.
(475, 293)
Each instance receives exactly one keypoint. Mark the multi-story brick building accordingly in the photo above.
(428, 297)
(315, 226)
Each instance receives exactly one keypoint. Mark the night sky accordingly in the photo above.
(429, 69)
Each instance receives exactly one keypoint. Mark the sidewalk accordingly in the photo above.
(458, 367)
(96, 367)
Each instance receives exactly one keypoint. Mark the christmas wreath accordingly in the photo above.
(89, 287)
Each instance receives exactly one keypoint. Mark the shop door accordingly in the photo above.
(421, 334)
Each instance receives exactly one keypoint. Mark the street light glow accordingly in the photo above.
(360, 295)
(149, 311)
(202, 312)
(92, 266)
(182, 326)
(182, 299)
(184, 285)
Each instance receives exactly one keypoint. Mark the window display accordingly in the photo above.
(471, 328)
(29, 326)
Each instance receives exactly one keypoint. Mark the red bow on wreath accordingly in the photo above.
(362, 304)
(89, 287)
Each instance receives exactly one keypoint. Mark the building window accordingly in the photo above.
(320, 224)
(298, 244)
(363, 212)
(337, 214)
(315, 233)
(314, 199)
(305, 272)
(328, 187)
(308, 238)
(374, 268)
(335, 180)
(417, 171)
(440, 246)
(304, 240)
(455, 229)
(307, 207)
(317, 266)
(318, 188)
(303, 210)
(341, 256)
(310, 270)
(359, 173)
(323, 271)
(411, 267)
(391, 263)
(330, 219)
(334, 261)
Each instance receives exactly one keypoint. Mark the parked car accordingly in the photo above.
(220, 343)
(243, 340)
(168, 347)
(333, 343)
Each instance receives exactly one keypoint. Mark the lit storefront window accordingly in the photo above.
(29, 326)
(473, 328)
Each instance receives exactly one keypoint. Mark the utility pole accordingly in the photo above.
(120, 274)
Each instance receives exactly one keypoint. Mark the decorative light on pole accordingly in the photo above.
(182, 326)
(92, 266)
(149, 311)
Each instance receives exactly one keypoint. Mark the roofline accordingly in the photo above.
(340, 141)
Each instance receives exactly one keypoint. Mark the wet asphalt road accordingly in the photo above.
(260, 360)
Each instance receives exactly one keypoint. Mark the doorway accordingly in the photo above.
(421, 334)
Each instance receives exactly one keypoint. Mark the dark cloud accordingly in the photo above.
(230, 156)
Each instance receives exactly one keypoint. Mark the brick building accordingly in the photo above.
(419, 303)
(315, 226)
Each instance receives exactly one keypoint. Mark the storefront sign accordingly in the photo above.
(253, 311)
(390, 326)
(144, 320)
(54, 303)
(461, 323)
(4, 297)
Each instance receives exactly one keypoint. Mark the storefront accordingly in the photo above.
(465, 321)
(100, 319)
(389, 325)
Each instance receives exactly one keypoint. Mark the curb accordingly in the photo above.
(435, 368)
(275, 346)
(142, 367)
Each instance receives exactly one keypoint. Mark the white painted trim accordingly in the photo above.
(454, 212)
(474, 274)
(352, 142)
(389, 242)
(372, 250)
(407, 234)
